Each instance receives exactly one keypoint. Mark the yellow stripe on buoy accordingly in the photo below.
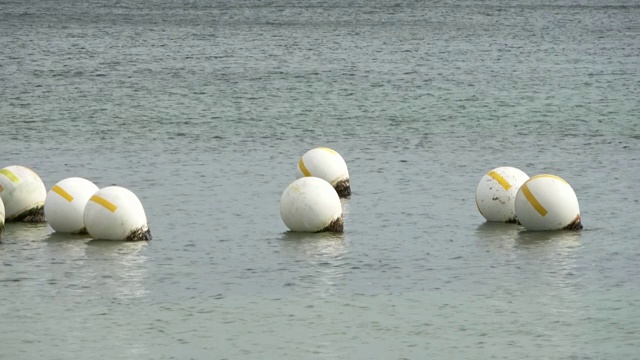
(497, 177)
(60, 191)
(104, 202)
(303, 168)
(533, 201)
(11, 176)
(329, 150)
(550, 176)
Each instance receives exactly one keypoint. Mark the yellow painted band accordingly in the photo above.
(303, 168)
(11, 176)
(533, 201)
(329, 150)
(104, 202)
(502, 181)
(550, 176)
(60, 191)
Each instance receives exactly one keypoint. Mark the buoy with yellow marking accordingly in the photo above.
(496, 193)
(326, 164)
(23, 194)
(116, 213)
(65, 202)
(311, 204)
(548, 202)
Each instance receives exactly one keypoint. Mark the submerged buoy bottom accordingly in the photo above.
(336, 225)
(576, 224)
(343, 188)
(35, 214)
(139, 234)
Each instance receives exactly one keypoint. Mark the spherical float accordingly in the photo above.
(326, 164)
(311, 204)
(116, 213)
(1, 217)
(547, 202)
(23, 194)
(496, 193)
(65, 202)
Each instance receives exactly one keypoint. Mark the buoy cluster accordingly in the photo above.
(311, 203)
(504, 194)
(73, 205)
(538, 203)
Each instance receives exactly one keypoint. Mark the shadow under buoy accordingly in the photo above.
(532, 238)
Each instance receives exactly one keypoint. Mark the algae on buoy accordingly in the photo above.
(548, 202)
(23, 194)
(326, 164)
(116, 213)
(496, 193)
(65, 202)
(311, 204)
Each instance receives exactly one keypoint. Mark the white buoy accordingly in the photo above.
(65, 202)
(496, 193)
(326, 164)
(23, 194)
(116, 213)
(311, 204)
(1, 217)
(547, 202)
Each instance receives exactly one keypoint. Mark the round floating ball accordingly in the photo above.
(326, 164)
(311, 204)
(65, 202)
(496, 193)
(116, 213)
(1, 217)
(547, 202)
(23, 194)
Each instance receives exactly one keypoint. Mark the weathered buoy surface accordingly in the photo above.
(65, 202)
(547, 202)
(116, 213)
(326, 164)
(311, 204)
(496, 193)
(23, 194)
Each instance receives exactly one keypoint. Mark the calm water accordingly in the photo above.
(202, 108)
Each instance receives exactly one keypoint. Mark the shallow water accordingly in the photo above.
(203, 108)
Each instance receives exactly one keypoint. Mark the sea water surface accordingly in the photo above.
(203, 108)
